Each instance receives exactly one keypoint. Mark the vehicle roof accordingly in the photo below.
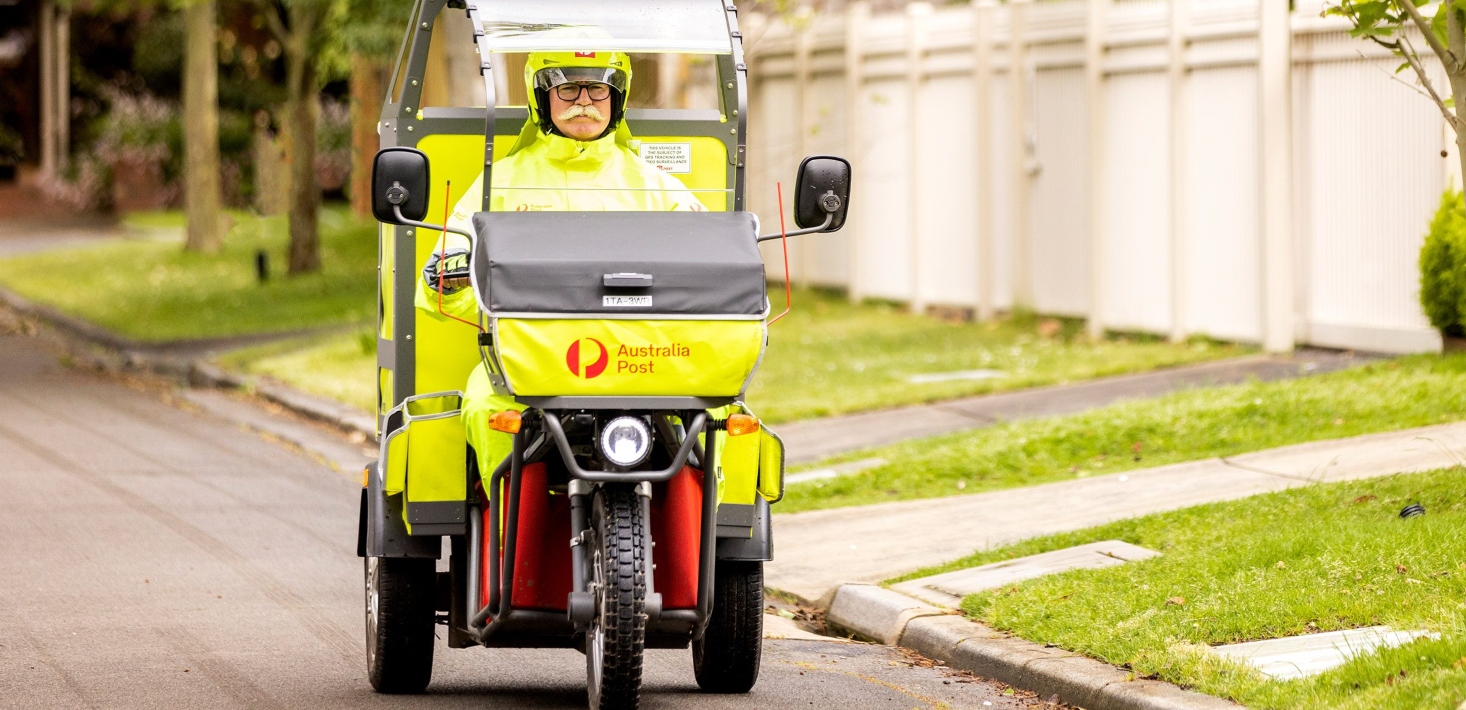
(656, 26)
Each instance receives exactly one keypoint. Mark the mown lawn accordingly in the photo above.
(831, 357)
(1314, 559)
(150, 290)
(340, 366)
(1184, 426)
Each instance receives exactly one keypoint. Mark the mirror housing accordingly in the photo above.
(824, 190)
(400, 180)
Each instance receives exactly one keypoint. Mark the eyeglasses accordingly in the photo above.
(571, 91)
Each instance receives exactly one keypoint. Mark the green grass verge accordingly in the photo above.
(1313, 559)
(340, 366)
(830, 357)
(152, 291)
(1184, 426)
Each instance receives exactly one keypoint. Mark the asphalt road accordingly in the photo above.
(153, 555)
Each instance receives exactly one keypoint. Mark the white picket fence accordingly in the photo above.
(1064, 188)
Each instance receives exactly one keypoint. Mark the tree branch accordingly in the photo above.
(1447, 57)
(272, 20)
(1413, 58)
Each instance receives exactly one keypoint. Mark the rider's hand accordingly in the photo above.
(451, 266)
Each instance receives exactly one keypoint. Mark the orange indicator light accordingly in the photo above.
(506, 421)
(740, 424)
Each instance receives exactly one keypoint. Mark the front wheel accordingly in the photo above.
(616, 639)
(726, 658)
(400, 611)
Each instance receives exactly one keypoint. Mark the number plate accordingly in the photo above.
(626, 301)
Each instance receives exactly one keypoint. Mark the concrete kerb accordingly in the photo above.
(128, 354)
(887, 616)
(876, 613)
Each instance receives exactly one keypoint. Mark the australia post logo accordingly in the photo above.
(587, 357)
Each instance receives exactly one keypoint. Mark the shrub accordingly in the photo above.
(1443, 267)
(12, 148)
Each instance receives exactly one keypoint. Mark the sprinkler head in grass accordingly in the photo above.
(1412, 510)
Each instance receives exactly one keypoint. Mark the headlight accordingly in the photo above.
(626, 441)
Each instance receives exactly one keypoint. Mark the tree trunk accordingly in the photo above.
(305, 194)
(366, 111)
(201, 128)
(1456, 77)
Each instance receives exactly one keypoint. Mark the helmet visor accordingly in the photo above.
(551, 77)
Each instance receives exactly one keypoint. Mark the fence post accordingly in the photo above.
(982, 87)
(48, 89)
(1180, 17)
(916, 12)
(803, 48)
(1275, 82)
(1022, 146)
(855, 18)
(1096, 26)
(63, 87)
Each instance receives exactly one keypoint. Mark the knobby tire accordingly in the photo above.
(622, 614)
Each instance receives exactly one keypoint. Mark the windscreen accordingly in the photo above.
(688, 26)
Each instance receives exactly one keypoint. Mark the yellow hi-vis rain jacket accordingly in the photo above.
(559, 174)
(554, 173)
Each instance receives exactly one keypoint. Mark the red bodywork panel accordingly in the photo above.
(677, 530)
(542, 561)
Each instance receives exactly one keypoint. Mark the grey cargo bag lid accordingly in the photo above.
(618, 264)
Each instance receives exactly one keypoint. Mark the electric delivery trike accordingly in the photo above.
(632, 509)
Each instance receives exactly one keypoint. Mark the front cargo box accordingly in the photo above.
(623, 303)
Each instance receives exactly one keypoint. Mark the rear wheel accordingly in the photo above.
(400, 611)
(726, 658)
(616, 640)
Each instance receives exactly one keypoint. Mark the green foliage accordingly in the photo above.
(338, 28)
(375, 27)
(1440, 21)
(140, 128)
(1184, 426)
(158, 56)
(12, 148)
(1443, 267)
(1313, 559)
(1388, 18)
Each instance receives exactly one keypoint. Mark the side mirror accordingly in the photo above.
(400, 185)
(824, 193)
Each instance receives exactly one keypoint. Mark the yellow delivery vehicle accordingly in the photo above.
(629, 507)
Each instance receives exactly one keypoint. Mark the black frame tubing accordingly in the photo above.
(476, 620)
(709, 534)
(557, 432)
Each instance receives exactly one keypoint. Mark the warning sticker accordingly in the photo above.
(674, 158)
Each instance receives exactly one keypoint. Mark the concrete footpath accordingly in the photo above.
(812, 440)
(820, 550)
